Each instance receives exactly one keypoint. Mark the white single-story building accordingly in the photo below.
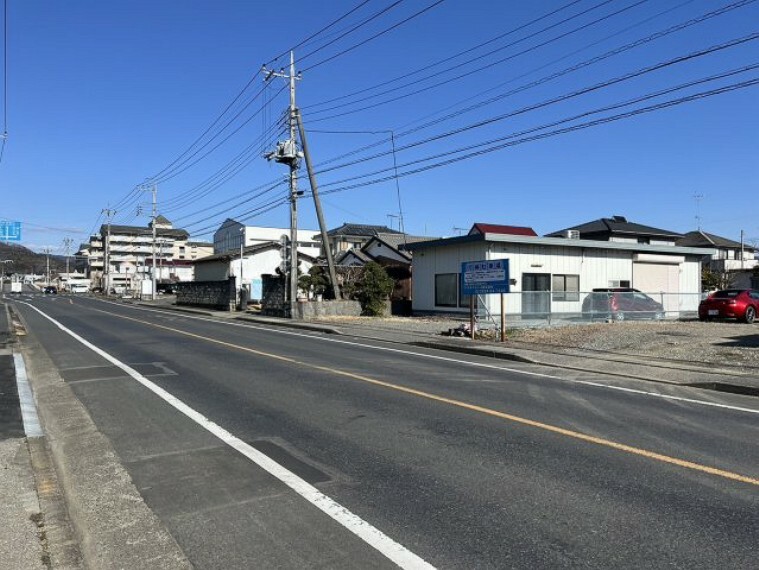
(551, 275)
(258, 260)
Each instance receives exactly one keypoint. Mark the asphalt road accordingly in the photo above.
(465, 462)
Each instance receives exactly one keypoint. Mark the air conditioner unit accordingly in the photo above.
(572, 234)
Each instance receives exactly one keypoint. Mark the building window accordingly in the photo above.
(566, 287)
(619, 283)
(446, 289)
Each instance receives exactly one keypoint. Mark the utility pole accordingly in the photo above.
(286, 152)
(155, 206)
(67, 244)
(154, 214)
(106, 250)
(743, 247)
(318, 206)
(47, 251)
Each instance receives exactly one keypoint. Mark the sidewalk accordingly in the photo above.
(22, 543)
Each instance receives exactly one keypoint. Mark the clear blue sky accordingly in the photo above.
(103, 95)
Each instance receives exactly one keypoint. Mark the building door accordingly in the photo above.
(536, 294)
(660, 281)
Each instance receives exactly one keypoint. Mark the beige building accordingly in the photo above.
(129, 251)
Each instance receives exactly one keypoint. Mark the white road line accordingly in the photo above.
(32, 426)
(464, 362)
(392, 550)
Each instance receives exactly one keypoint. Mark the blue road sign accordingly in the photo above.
(10, 231)
(485, 277)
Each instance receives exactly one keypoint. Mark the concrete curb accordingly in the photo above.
(115, 527)
(476, 350)
(289, 324)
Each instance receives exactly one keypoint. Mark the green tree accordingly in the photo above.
(372, 289)
(314, 282)
(711, 280)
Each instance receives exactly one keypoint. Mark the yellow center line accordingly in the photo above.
(465, 405)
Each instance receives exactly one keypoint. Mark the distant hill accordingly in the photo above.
(27, 261)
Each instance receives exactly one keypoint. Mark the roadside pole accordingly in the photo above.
(503, 317)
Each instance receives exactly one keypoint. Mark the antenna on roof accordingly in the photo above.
(392, 217)
(458, 231)
(698, 197)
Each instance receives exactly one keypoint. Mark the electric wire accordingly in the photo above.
(640, 99)
(557, 132)
(374, 37)
(561, 98)
(468, 62)
(352, 29)
(318, 33)
(4, 135)
(445, 60)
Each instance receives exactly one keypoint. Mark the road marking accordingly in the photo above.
(453, 402)
(389, 548)
(32, 426)
(444, 359)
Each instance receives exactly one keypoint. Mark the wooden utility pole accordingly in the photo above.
(318, 206)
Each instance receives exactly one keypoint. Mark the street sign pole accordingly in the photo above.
(486, 278)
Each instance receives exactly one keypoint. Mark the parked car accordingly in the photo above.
(741, 304)
(50, 290)
(620, 303)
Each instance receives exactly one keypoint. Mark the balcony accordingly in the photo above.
(732, 264)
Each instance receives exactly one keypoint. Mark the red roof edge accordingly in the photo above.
(498, 229)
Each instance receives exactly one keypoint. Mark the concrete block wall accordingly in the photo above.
(219, 295)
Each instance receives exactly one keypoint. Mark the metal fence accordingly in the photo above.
(540, 308)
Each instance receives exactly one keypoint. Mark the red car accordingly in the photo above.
(741, 304)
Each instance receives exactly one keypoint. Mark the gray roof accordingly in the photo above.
(141, 231)
(617, 225)
(355, 252)
(561, 242)
(700, 238)
(361, 230)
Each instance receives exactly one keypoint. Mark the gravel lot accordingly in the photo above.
(723, 343)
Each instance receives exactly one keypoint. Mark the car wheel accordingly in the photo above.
(750, 315)
(619, 317)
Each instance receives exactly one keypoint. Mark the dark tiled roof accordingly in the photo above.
(361, 230)
(162, 220)
(139, 231)
(355, 252)
(700, 238)
(499, 229)
(617, 225)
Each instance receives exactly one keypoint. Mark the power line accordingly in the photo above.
(480, 57)
(317, 33)
(4, 135)
(550, 77)
(375, 36)
(351, 30)
(444, 60)
(556, 132)
(561, 98)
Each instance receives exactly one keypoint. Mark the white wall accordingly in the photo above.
(595, 267)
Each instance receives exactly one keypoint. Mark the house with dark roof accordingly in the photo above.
(619, 229)
(730, 256)
(349, 236)
(389, 250)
